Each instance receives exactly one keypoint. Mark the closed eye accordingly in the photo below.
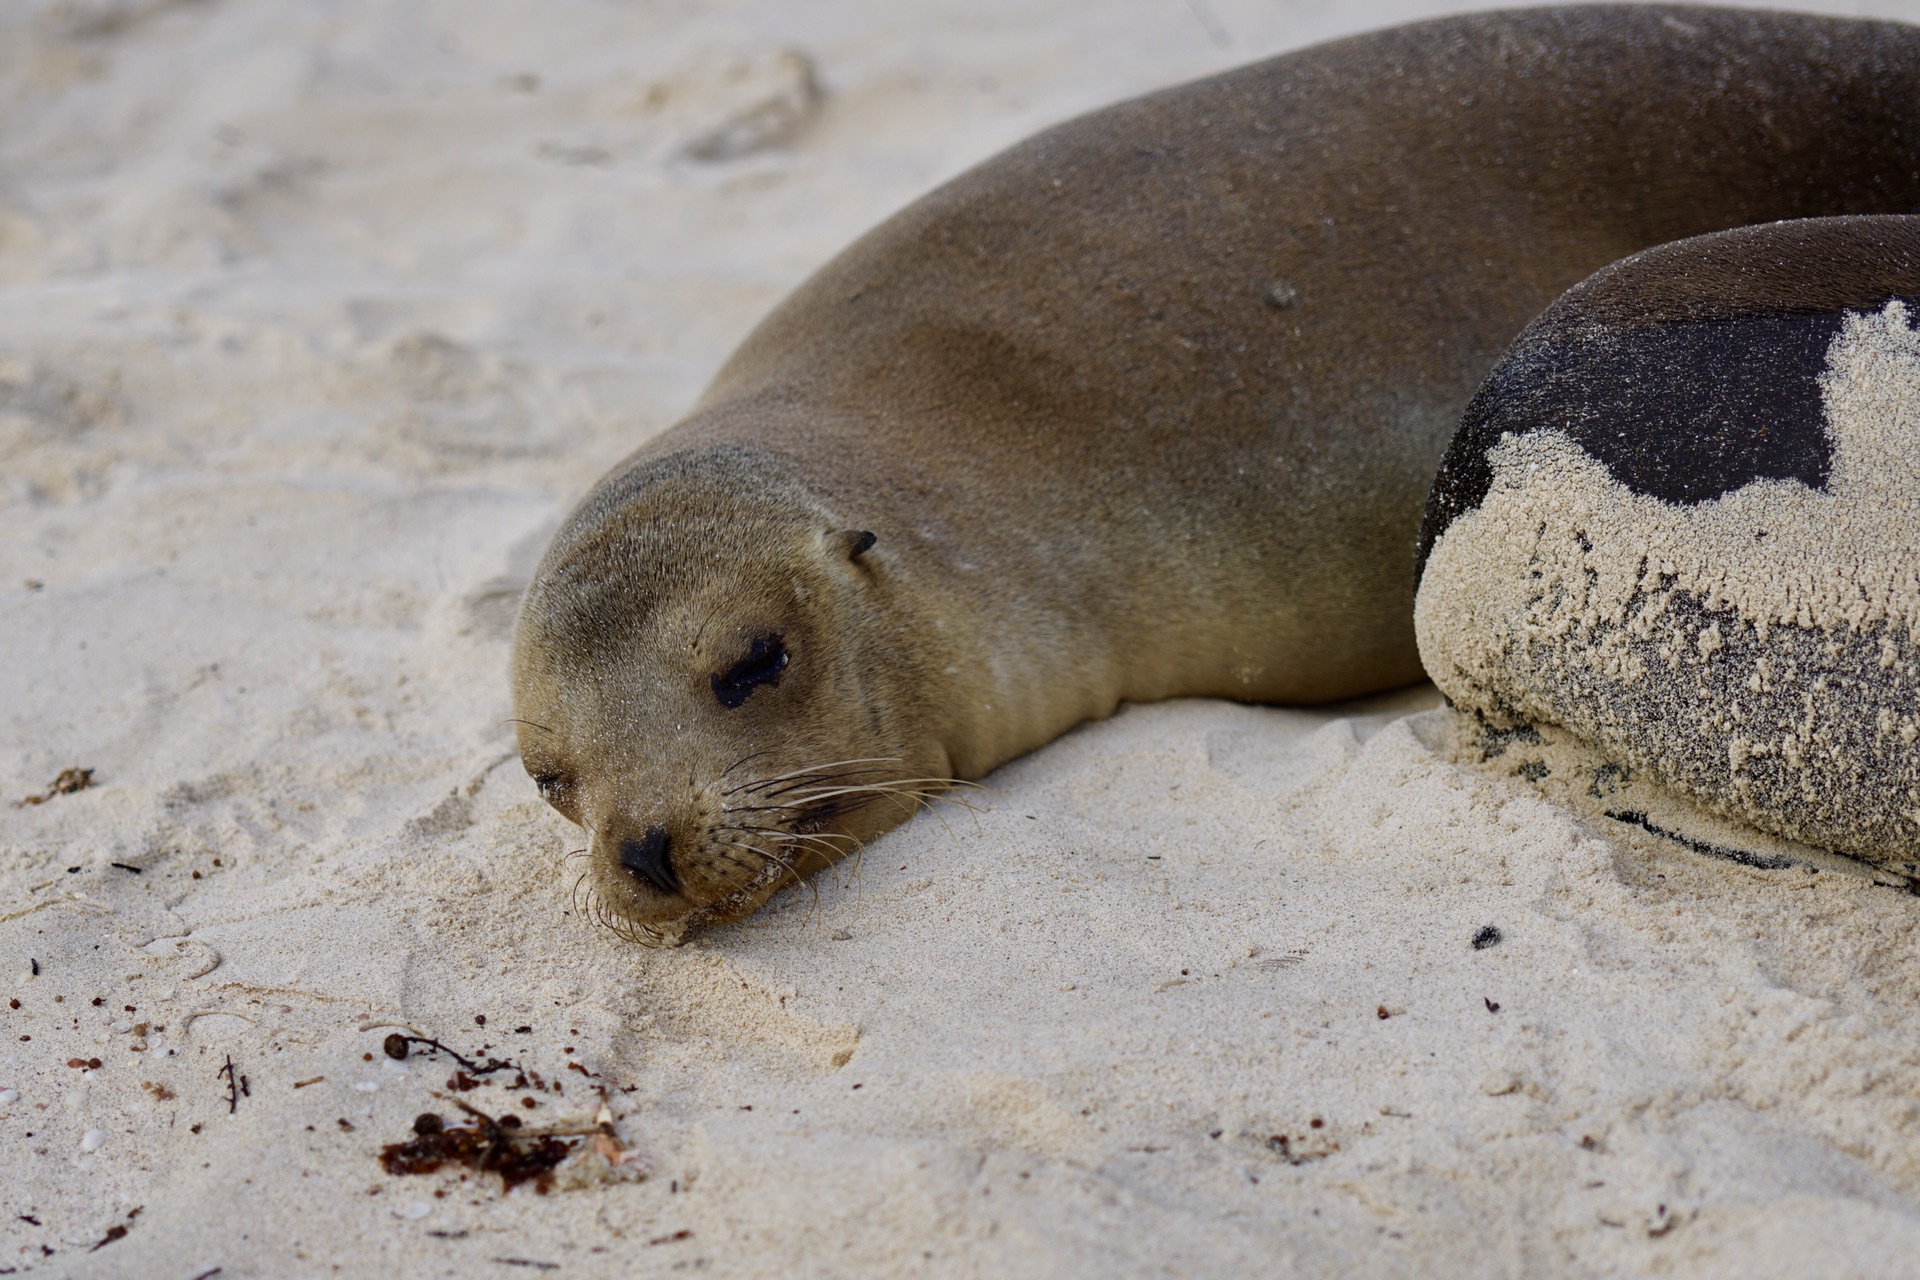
(764, 662)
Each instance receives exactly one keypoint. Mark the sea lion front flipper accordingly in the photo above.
(1682, 519)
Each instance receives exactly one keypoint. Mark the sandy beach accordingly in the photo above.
(316, 316)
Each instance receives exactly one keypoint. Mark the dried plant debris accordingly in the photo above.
(69, 781)
(116, 1232)
(503, 1146)
(236, 1086)
(506, 1146)
(396, 1046)
(1298, 1148)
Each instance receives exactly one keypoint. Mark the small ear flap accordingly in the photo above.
(855, 542)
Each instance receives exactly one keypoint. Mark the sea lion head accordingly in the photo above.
(708, 676)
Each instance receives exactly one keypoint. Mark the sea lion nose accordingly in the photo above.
(647, 857)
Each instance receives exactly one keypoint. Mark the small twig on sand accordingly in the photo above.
(236, 1086)
(395, 1047)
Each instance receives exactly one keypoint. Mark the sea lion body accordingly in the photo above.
(1682, 521)
(1146, 406)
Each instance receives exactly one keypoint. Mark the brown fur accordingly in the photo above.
(1146, 406)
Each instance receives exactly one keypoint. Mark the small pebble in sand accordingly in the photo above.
(1282, 295)
(8, 1097)
(368, 1086)
(413, 1210)
(93, 1139)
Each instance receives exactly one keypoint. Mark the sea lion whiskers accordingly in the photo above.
(949, 797)
(797, 773)
(909, 795)
(817, 813)
(835, 845)
(809, 790)
(897, 786)
(776, 860)
(826, 840)
(749, 897)
(594, 910)
(700, 634)
(821, 844)
(822, 838)
(641, 935)
(821, 781)
(751, 755)
(817, 794)
(599, 913)
(587, 903)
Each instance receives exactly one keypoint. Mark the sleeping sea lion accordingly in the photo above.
(1144, 407)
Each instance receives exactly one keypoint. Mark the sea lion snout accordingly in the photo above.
(650, 858)
(653, 867)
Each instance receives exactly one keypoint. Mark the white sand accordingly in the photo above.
(313, 318)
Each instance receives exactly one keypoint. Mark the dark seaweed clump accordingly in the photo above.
(485, 1146)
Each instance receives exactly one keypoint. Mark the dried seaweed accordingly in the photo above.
(503, 1146)
(69, 781)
